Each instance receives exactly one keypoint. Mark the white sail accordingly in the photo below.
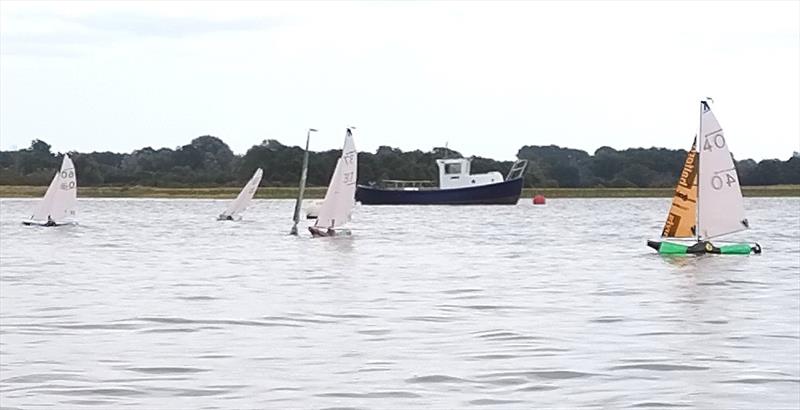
(720, 207)
(60, 201)
(341, 195)
(242, 201)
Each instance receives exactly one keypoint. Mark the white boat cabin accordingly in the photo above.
(455, 173)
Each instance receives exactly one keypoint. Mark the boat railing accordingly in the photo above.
(517, 170)
(411, 185)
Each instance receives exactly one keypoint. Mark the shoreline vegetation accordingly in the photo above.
(208, 161)
(27, 191)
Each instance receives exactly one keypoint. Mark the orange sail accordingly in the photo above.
(683, 213)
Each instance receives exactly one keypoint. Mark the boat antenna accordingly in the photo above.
(302, 188)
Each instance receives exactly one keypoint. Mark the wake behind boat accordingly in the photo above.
(58, 206)
(337, 207)
(708, 200)
(242, 201)
(457, 186)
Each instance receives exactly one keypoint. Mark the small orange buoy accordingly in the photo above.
(538, 199)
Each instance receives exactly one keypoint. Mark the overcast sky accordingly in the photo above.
(486, 78)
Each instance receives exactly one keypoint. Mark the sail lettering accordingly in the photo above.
(717, 182)
(688, 172)
(718, 141)
(673, 221)
(682, 213)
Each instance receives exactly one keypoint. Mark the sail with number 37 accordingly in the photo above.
(340, 199)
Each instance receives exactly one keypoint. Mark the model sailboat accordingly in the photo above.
(708, 199)
(58, 206)
(244, 198)
(340, 199)
(301, 189)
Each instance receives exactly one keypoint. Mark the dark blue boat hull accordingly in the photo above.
(502, 193)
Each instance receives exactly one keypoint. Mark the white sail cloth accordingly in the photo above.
(720, 208)
(244, 198)
(340, 199)
(61, 199)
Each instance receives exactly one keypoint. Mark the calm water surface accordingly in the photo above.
(154, 304)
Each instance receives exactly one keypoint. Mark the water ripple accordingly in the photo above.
(509, 307)
(659, 367)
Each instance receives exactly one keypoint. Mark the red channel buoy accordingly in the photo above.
(538, 199)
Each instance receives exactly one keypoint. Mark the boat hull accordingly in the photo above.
(45, 224)
(326, 232)
(502, 193)
(703, 247)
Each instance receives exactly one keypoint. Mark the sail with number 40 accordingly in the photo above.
(61, 199)
(340, 198)
(682, 215)
(721, 207)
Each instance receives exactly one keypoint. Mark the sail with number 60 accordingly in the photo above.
(61, 199)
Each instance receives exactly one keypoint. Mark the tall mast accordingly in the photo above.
(302, 188)
(699, 150)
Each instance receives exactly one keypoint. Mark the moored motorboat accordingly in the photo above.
(457, 186)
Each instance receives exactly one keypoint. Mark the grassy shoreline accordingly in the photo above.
(15, 191)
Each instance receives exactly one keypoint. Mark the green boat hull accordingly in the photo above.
(703, 247)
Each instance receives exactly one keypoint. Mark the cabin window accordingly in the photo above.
(452, 168)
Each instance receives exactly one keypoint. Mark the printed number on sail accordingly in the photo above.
(717, 183)
(718, 141)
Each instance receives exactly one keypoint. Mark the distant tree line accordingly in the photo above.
(208, 161)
